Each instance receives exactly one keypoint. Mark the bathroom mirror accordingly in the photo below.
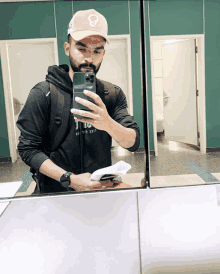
(182, 102)
(26, 54)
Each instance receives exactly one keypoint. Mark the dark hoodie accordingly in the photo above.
(95, 144)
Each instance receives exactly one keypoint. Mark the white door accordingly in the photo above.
(179, 88)
(115, 69)
(28, 64)
(24, 64)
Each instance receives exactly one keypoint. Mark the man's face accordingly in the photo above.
(87, 54)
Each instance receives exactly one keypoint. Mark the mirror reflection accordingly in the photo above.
(184, 139)
(54, 143)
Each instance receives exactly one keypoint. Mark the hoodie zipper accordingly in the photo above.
(81, 146)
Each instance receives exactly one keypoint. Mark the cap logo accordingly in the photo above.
(93, 20)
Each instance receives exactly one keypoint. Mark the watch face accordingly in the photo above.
(65, 183)
(65, 179)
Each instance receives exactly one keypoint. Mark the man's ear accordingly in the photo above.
(66, 48)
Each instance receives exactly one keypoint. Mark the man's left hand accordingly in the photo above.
(98, 116)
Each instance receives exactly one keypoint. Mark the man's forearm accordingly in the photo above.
(51, 170)
(125, 137)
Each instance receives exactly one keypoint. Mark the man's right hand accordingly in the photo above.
(82, 182)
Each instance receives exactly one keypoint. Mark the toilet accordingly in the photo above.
(159, 116)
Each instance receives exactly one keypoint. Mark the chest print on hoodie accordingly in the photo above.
(87, 129)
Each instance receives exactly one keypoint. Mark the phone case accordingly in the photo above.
(108, 177)
(83, 81)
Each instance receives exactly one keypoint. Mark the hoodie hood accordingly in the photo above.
(59, 76)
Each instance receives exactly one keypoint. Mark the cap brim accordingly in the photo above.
(79, 35)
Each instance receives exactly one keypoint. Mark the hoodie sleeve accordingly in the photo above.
(33, 123)
(120, 114)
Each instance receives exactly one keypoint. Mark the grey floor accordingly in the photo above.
(173, 156)
(12, 172)
(171, 160)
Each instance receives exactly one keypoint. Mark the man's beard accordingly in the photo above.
(78, 69)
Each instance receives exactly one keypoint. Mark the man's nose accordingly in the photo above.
(89, 58)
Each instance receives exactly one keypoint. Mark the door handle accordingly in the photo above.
(165, 97)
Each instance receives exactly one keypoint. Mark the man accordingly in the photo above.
(87, 36)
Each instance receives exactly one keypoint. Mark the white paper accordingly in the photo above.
(8, 190)
(119, 168)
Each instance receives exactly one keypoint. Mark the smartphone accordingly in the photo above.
(83, 81)
(108, 177)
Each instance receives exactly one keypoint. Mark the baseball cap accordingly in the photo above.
(88, 22)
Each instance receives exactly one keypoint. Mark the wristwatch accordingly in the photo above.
(65, 179)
